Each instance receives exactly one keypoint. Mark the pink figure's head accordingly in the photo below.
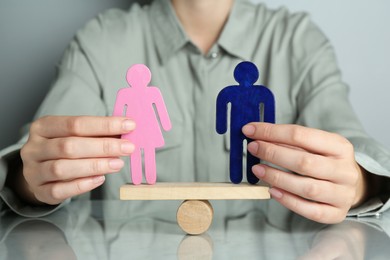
(138, 75)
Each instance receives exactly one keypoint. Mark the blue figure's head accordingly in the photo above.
(246, 73)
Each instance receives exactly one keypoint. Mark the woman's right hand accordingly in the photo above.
(66, 156)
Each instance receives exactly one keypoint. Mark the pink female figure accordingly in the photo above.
(136, 102)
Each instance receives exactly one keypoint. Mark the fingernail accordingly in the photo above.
(248, 129)
(98, 179)
(275, 193)
(259, 171)
(116, 164)
(128, 125)
(127, 147)
(253, 147)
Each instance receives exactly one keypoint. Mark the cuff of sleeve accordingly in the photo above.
(374, 158)
(370, 208)
(4, 155)
(25, 210)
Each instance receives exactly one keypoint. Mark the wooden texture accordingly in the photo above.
(195, 216)
(196, 247)
(193, 191)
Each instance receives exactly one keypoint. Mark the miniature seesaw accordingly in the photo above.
(195, 214)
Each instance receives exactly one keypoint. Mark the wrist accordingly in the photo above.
(369, 185)
(362, 192)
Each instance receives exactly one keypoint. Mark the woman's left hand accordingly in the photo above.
(326, 180)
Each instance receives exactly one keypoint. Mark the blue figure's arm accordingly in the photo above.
(221, 115)
(269, 106)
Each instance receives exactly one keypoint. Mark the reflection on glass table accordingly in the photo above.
(125, 230)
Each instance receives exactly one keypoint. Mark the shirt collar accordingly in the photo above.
(170, 35)
(237, 31)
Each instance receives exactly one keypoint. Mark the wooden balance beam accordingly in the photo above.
(195, 214)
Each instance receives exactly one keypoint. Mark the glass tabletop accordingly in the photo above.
(126, 230)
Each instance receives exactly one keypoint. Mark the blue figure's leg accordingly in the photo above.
(250, 162)
(236, 156)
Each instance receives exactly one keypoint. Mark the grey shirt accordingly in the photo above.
(295, 59)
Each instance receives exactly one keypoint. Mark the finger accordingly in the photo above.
(57, 192)
(305, 187)
(319, 212)
(298, 161)
(84, 147)
(333, 246)
(65, 170)
(327, 250)
(62, 126)
(310, 139)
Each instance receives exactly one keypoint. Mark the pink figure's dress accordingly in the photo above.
(137, 101)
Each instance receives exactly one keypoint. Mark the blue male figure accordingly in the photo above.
(249, 103)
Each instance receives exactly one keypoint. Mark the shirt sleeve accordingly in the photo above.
(323, 103)
(75, 92)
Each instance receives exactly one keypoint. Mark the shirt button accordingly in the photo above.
(214, 55)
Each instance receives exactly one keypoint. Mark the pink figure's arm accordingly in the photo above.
(162, 112)
(119, 103)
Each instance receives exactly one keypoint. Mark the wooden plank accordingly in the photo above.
(193, 191)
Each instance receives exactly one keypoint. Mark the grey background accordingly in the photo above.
(34, 34)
